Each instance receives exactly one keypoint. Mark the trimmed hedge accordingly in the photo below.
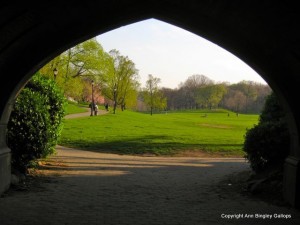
(35, 123)
(267, 143)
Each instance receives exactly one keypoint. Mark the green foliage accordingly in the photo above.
(35, 123)
(210, 96)
(267, 144)
(77, 67)
(119, 81)
(272, 111)
(153, 96)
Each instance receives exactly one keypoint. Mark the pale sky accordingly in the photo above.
(174, 54)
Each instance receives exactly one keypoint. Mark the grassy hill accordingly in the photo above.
(73, 108)
(161, 134)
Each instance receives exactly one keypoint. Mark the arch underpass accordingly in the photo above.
(264, 34)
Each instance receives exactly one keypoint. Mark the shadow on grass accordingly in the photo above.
(152, 144)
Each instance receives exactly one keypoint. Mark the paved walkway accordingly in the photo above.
(84, 114)
(82, 187)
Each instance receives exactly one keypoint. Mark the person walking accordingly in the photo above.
(106, 106)
(96, 109)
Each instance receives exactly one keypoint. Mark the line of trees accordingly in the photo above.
(116, 78)
(198, 91)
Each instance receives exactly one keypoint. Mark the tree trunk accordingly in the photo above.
(115, 106)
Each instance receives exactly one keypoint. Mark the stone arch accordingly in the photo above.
(263, 34)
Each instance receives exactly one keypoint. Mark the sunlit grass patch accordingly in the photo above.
(161, 134)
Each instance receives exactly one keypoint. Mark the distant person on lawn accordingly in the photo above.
(96, 109)
(106, 106)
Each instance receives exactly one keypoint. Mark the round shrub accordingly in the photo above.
(35, 123)
(267, 144)
(272, 111)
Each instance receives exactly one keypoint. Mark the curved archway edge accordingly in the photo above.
(264, 34)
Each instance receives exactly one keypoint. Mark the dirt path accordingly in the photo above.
(81, 187)
(84, 114)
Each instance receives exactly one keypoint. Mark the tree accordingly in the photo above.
(84, 60)
(77, 66)
(210, 96)
(191, 86)
(171, 96)
(119, 79)
(153, 97)
(234, 100)
(248, 90)
(263, 91)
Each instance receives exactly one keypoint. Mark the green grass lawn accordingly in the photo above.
(73, 108)
(161, 134)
